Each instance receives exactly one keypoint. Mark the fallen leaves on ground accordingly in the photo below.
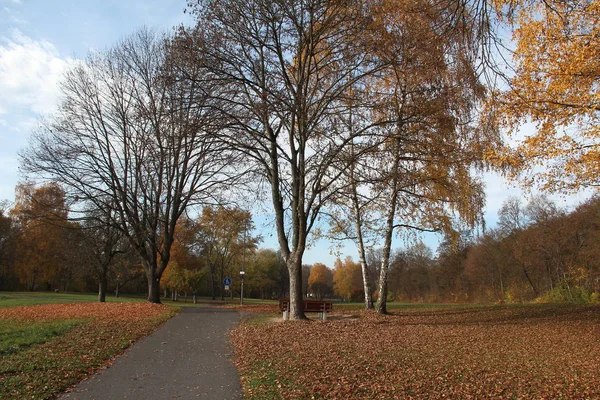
(108, 311)
(44, 370)
(488, 352)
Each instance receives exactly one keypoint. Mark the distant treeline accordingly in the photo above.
(538, 252)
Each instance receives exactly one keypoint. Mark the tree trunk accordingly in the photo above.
(212, 282)
(358, 226)
(366, 285)
(296, 303)
(153, 287)
(363, 262)
(524, 269)
(363, 266)
(102, 286)
(221, 288)
(117, 289)
(381, 306)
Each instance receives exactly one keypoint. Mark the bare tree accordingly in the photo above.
(289, 66)
(132, 132)
(103, 241)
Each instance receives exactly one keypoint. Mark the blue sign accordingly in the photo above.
(227, 281)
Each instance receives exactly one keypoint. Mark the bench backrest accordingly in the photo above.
(308, 305)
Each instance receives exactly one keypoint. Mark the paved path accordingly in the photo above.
(186, 358)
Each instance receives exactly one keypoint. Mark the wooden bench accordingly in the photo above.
(318, 306)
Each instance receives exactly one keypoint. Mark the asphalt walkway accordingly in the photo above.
(186, 358)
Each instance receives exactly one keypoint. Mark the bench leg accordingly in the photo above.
(324, 316)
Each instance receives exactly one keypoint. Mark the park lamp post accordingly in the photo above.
(242, 273)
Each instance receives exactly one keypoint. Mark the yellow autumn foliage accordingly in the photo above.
(556, 86)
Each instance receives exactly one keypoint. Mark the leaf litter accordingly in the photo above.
(501, 352)
(106, 329)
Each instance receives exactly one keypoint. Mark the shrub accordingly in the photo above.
(565, 293)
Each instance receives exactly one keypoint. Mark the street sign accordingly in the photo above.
(227, 281)
(226, 287)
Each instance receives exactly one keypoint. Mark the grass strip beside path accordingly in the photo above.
(501, 352)
(97, 332)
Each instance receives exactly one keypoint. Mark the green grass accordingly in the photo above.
(263, 382)
(40, 359)
(203, 301)
(16, 336)
(408, 306)
(255, 301)
(16, 299)
(259, 319)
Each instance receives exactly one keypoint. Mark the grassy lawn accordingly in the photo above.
(50, 341)
(16, 336)
(424, 352)
(391, 306)
(203, 301)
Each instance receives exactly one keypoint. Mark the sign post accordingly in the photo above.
(227, 283)
(242, 273)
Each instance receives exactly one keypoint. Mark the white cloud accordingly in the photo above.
(29, 73)
(18, 20)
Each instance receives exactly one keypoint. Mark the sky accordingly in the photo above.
(39, 39)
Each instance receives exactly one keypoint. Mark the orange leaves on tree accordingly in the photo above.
(41, 248)
(556, 86)
(347, 279)
(320, 280)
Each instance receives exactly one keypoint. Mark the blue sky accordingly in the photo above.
(40, 38)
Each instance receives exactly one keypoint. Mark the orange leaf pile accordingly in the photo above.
(104, 311)
(44, 370)
(494, 352)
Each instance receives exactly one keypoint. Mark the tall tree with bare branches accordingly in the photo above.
(289, 67)
(131, 132)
